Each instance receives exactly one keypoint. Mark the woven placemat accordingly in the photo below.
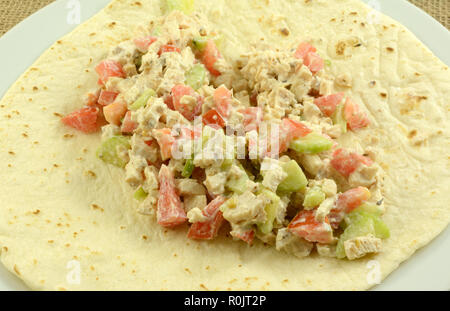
(13, 12)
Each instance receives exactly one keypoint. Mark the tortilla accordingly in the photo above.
(62, 206)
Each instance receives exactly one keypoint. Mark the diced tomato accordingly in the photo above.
(165, 141)
(144, 43)
(208, 229)
(212, 117)
(109, 68)
(149, 142)
(311, 59)
(210, 56)
(246, 236)
(189, 112)
(347, 162)
(314, 62)
(128, 125)
(115, 112)
(222, 100)
(356, 119)
(168, 49)
(328, 104)
(306, 226)
(346, 203)
(107, 97)
(253, 116)
(304, 49)
(168, 100)
(290, 130)
(170, 211)
(92, 99)
(84, 120)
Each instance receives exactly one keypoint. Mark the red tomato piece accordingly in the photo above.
(306, 226)
(328, 104)
(165, 141)
(290, 130)
(168, 100)
(92, 99)
(115, 112)
(346, 203)
(314, 62)
(170, 211)
(213, 118)
(107, 97)
(304, 49)
(189, 112)
(84, 120)
(347, 162)
(168, 49)
(253, 116)
(311, 59)
(246, 236)
(208, 229)
(210, 56)
(144, 43)
(222, 100)
(109, 68)
(356, 119)
(128, 125)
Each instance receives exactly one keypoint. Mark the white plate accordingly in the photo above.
(428, 269)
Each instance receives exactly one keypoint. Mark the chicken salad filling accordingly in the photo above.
(247, 145)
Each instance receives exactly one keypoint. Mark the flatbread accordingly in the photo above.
(61, 206)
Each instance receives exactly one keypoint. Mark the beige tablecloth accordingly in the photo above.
(13, 12)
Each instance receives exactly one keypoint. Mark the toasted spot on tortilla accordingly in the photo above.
(36, 212)
(67, 136)
(16, 270)
(50, 241)
(203, 286)
(412, 134)
(56, 114)
(144, 237)
(137, 3)
(96, 207)
(384, 95)
(90, 174)
(11, 152)
(187, 270)
(25, 135)
(35, 88)
(389, 49)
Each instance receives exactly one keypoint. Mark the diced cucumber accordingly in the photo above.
(185, 6)
(196, 76)
(140, 194)
(381, 230)
(314, 197)
(200, 43)
(238, 185)
(142, 100)
(296, 179)
(339, 118)
(271, 211)
(311, 144)
(369, 208)
(110, 151)
(188, 168)
(361, 227)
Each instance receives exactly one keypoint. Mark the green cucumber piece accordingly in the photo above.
(314, 197)
(196, 76)
(311, 144)
(140, 194)
(110, 150)
(142, 100)
(271, 211)
(296, 179)
(188, 168)
(361, 227)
